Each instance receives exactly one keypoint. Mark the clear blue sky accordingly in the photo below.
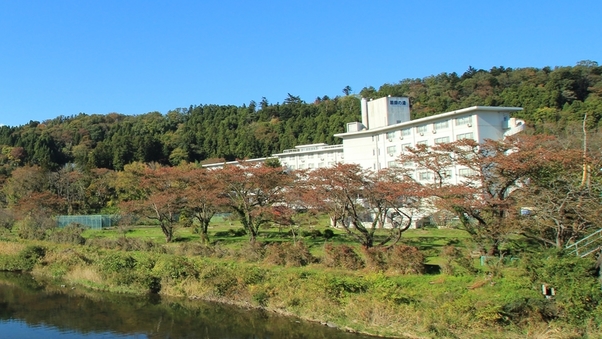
(63, 57)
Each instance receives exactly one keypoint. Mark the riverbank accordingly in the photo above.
(504, 304)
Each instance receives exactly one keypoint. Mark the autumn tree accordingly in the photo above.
(70, 185)
(560, 206)
(100, 193)
(160, 197)
(485, 199)
(252, 191)
(203, 196)
(362, 202)
(27, 191)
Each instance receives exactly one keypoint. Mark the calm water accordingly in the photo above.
(31, 309)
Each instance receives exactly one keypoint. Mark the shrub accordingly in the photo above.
(31, 255)
(405, 259)
(221, 278)
(35, 227)
(342, 256)
(311, 233)
(7, 219)
(376, 258)
(399, 258)
(252, 252)
(126, 244)
(456, 262)
(339, 287)
(201, 249)
(328, 233)
(71, 234)
(24, 261)
(578, 297)
(116, 263)
(174, 268)
(288, 254)
(252, 275)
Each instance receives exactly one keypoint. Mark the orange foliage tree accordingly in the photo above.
(160, 195)
(252, 190)
(362, 202)
(485, 199)
(203, 196)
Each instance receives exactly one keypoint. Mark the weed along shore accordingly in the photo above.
(410, 290)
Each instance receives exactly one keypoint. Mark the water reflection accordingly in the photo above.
(33, 309)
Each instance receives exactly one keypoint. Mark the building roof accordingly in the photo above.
(432, 118)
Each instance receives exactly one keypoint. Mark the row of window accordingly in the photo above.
(310, 165)
(437, 126)
(426, 175)
(393, 149)
(311, 156)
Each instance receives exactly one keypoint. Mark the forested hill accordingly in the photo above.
(553, 98)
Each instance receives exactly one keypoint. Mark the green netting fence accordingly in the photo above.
(92, 221)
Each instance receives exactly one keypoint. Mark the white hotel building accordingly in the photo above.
(386, 130)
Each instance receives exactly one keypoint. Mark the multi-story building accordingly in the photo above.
(386, 131)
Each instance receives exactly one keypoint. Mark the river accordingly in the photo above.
(33, 309)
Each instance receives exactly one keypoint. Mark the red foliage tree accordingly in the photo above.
(161, 197)
(362, 202)
(203, 197)
(486, 200)
(252, 190)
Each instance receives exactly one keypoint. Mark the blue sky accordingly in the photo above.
(63, 57)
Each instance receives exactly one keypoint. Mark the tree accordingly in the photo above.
(101, 193)
(485, 201)
(252, 190)
(69, 184)
(362, 202)
(347, 90)
(28, 192)
(162, 197)
(561, 205)
(203, 197)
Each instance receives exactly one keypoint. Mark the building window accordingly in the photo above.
(464, 136)
(406, 132)
(392, 163)
(422, 142)
(425, 176)
(408, 164)
(301, 166)
(441, 140)
(310, 165)
(320, 164)
(464, 120)
(446, 174)
(391, 150)
(405, 147)
(331, 163)
(440, 125)
(390, 135)
(421, 129)
(464, 172)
